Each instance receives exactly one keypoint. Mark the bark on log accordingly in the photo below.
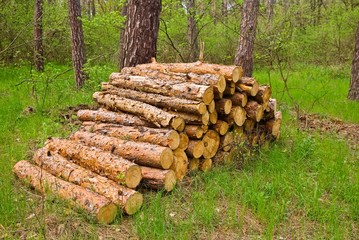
(173, 103)
(229, 72)
(163, 137)
(100, 207)
(193, 119)
(221, 127)
(185, 90)
(180, 163)
(104, 163)
(254, 110)
(224, 106)
(211, 143)
(194, 131)
(205, 164)
(127, 199)
(195, 149)
(150, 113)
(248, 85)
(141, 153)
(239, 99)
(237, 115)
(112, 117)
(158, 179)
(230, 89)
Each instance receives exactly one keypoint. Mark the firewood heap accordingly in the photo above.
(156, 122)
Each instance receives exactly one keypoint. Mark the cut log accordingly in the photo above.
(211, 107)
(263, 95)
(194, 131)
(229, 72)
(221, 127)
(112, 117)
(218, 96)
(192, 119)
(213, 117)
(254, 110)
(104, 163)
(183, 141)
(205, 164)
(249, 125)
(158, 179)
(173, 103)
(193, 164)
(180, 163)
(100, 207)
(224, 106)
(211, 143)
(127, 199)
(227, 142)
(248, 85)
(230, 89)
(195, 149)
(163, 137)
(185, 90)
(273, 125)
(152, 114)
(144, 154)
(239, 99)
(270, 110)
(237, 115)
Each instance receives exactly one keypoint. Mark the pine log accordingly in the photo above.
(270, 110)
(180, 163)
(141, 153)
(273, 125)
(237, 115)
(112, 117)
(227, 142)
(230, 89)
(215, 80)
(158, 179)
(211, 107)
(263, 95)
(195, 149)
(194, 131)
(163, 137)
(229, 72)
(185, 90)
(221, 127)
(127, 199)
(211, 143)
(192, 119)
(205, 164)
(218, 96)
(213, 117)
(248, 85)
(173, 103)
(184, 139)
(224, 106)
(100, 207)
(193, 164)
(150, 113)
(254, 110)
(239, 99)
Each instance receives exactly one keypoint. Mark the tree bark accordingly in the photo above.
(221, 127)
(254, 110)
(195, 149)
(38, 47)
(141, 32)
(245, 50)
(239, 99)
(354, 81)
(104, 163)
(129, 200)
(121, 56)
(192, 33)
(158, 179)
(100, 207)
(77, 42)
(194, 131)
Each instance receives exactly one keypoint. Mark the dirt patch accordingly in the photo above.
(315, 122)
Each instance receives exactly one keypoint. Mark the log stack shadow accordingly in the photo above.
(156, 122)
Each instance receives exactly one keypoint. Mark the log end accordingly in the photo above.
(173, 139)
(255, 89)
(211, 142)
(237, 73)
(107, 214)
(198, 149)
(193, 164)
(240, 116)
(133, 204)
(259, 113)
(183, 141)
(227, 106)
(133, 176)
(206, 165)
(205, 118)
(213, 117)
(180, 164)
(177, 123)
(202, 108)
(208, 95)
(166, 158)
(221, 84)
(223, 129)
(170, 180)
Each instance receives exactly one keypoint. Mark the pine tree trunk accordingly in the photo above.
(140, 37)
(354, 81)
(121, 56)
(77, 42)
(192, 30)
(38, 47)
(245, 50)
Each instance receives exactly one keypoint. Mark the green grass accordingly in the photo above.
(305, 186)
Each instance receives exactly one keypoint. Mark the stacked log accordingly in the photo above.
(156, 122)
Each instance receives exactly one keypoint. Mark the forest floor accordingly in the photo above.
(306, 185)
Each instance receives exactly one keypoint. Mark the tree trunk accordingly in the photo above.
(245, 50)
(354, 81)
(140, 37)
(254, 110)
(239, 99)
(77, 42)
(144, 154)
(192, 33)
(129, 200)
(158, 179)
(104, 163)
(100, 207)
(38, 47)
(121, 56)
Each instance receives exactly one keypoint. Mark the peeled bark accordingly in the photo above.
(112, 117)
(224, 106)
(129, 200)
(100, 207)
(173, 103)
(254, 110)
(211, 143)
(239, 99)
(163, 137)
(104, 163)
(185, 90)
(229, 72)
(158, 179)
(180, 163)
(221, 127)
(195, 149)
(141, 153)
(150, 113)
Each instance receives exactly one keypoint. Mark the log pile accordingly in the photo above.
(155, 122)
